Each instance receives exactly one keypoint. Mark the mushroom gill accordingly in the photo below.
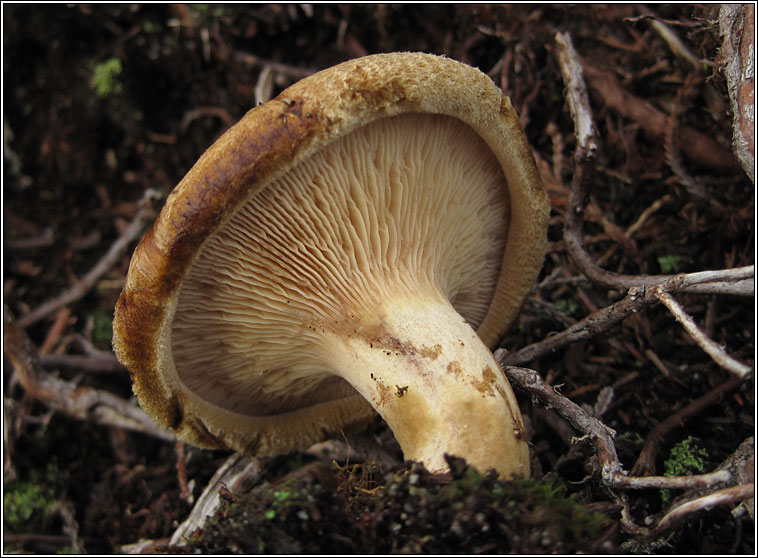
(405, 207)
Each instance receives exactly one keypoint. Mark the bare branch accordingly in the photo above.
(607, 465)
(584, 159)
(237, 475)
(597, 322)
(83, 286)
(83, 362)
(672, 40)
(716, 352)
(727, 496)
(636, 299)
(576, 93)
(600, 435)
(77, 401)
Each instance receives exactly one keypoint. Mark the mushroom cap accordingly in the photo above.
(167, 303)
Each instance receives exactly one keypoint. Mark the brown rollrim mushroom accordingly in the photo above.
(354, 245)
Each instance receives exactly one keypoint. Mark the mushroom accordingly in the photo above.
(354, 245)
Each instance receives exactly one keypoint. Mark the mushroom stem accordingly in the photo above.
(436, 384)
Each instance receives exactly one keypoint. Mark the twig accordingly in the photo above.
(83, 362)
(83, 285)
(47, 238)
(655, 206)
(637, 298)
(584, 159)
(601, 436)
(576, 94)
(690, 482)
(672, 40)
(264, 87)
(597, 322)
(181, 474)
(89, 348)
(733, 282)
(671, 147)
(237, 475)
(224, 52)
(200, 112)
(682, 512)
(293, 72)
(716, 352)
(55, 332)
(77, 401)
(607, 465)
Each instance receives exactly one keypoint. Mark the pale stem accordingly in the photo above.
(427, 373)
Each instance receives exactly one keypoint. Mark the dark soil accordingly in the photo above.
(105, 101)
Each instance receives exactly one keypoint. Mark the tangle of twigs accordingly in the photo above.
(719, 487)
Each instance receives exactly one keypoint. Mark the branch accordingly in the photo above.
(607, 465)
(716, 352)
(584, 160)
(236, 476)
(672, 40)
(85, 284)
(597, 322)
(77, 401)
(600, 435)
(731, 495)
(576, 94)
(637, 298)
(83, 362)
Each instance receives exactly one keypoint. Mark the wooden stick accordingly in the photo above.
(85, 284)
(715, 351)
(81, 402)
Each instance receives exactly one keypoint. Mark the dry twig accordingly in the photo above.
(77, 401)
(608, 467)
(727, 496)
(726, 282)
(83, 285)
(84, 363)
(237, 475)
(642, 290)
(714, 350)
(637, 298)
(672, 39)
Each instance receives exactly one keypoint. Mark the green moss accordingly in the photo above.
(671, 263)
(342, 510)
(102, 330)
(24, 503)
(105, 77)
(27, 501)
(686, 458)
(568, 306)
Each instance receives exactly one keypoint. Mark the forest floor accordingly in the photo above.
(105, 103)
